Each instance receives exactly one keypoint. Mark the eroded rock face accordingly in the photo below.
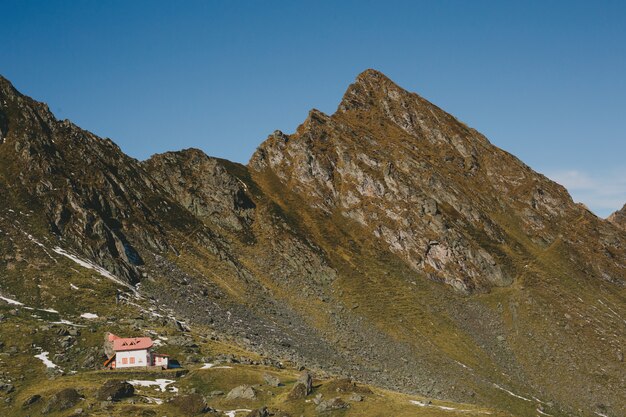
(204, 186)
(619, 218)
(420, 182)
(93, 195)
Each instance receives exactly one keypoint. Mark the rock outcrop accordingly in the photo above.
(619, 218)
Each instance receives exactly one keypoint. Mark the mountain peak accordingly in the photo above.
(368, 89)
(372, 75)
(6, 88)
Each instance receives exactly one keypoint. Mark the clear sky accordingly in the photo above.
(544, 80)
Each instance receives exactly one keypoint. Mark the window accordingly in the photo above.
(125, 361)
(132, 360)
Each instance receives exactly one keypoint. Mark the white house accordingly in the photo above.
(133, 352)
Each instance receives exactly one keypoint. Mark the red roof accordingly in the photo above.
(132, 343)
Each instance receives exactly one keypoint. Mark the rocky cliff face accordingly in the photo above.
(424, 185)
(90, 192)
(204, 186)
(387, 242)
(619, 218)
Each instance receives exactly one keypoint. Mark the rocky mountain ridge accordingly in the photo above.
(388, 242)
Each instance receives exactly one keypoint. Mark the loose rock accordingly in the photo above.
(115, 390)
(242, 392)
(334, 404)
(62, 400)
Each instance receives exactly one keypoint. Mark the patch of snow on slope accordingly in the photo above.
(89, 316)
(74, 287)
(10, 301)
(38, 243)
(43, 356)
(89, 265)
(511, 393)
(69, 323)
(233, 413)
(212, 366)
(442, 407)
(160, 383)
(152, 400)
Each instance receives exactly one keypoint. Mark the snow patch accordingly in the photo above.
(160, 383)
(207, 366)
(38, 243)
(69, 323)
(89, 316)
(152, 400)
(74, 287)
(511, 393)
(421, 404)
(90, 265)
(10, 301)
(442, 407)
(233, 413)
(43, 356)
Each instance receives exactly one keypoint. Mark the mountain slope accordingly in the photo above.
(388, 242)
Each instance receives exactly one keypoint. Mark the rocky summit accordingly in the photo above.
(387, 246)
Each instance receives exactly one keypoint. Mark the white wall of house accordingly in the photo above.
(160, 360)
(131, 358)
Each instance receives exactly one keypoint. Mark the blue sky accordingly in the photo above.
(545, 81)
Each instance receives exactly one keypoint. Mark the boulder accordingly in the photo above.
(298, 391)
(190, 404)
(334, 404)
(31, 400)
(62, 400)
(260, 412)
(242, 392)
(108, 345)
(115, 390)
(306, 379)
(271, 380)
(7, 388)
(346, 385)
(355, 398)
(302, 387)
